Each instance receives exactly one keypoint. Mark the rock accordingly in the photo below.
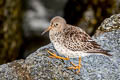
(38, 66)
(109, 24)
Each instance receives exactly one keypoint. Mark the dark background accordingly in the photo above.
(22, 21)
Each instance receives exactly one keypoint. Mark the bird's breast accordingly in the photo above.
(56, 37)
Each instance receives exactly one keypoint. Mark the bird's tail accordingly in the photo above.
(105, 52)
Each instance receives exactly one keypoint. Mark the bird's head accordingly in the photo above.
(56, 24)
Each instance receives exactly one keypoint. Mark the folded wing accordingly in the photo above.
(79, 40)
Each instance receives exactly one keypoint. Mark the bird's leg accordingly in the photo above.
(55, 56)
(76, 67)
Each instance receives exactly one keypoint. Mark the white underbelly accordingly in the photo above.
(68, 53)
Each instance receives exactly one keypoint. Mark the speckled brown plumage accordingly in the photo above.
(73, 38)
(71, 41)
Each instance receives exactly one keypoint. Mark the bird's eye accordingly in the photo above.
(56, 24)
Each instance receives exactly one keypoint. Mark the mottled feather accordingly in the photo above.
(81, 41)
(72, 39)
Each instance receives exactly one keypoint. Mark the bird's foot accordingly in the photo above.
(55, 56)
(76, 67)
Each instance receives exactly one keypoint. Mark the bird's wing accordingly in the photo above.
(76, 39)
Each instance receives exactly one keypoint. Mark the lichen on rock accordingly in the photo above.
(109, 24)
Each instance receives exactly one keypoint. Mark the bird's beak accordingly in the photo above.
(49, 28)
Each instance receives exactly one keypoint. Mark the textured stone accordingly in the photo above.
(38, 66)
(109, 24)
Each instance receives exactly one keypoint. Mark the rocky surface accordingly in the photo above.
(109, 24)
(38, 66)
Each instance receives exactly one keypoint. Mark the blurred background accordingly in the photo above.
(22, 21)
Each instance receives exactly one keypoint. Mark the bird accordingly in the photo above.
(71, 41)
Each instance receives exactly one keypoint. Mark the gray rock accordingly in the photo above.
(38, 66)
